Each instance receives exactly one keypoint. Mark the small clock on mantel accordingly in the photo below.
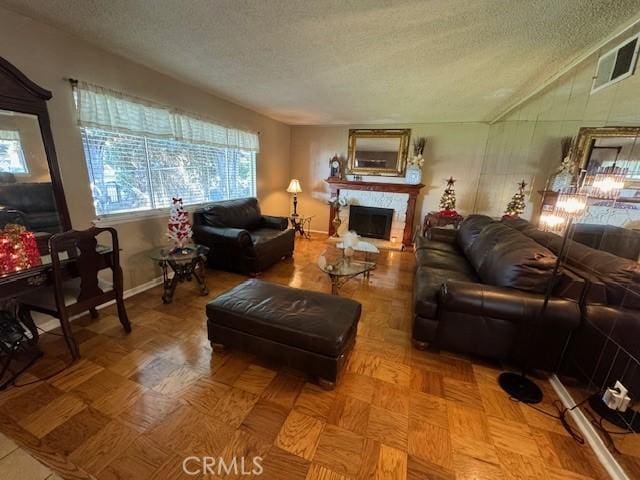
(335, 168)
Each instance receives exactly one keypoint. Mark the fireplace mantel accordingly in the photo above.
(336, 185)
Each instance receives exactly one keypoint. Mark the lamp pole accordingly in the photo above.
(518, 385)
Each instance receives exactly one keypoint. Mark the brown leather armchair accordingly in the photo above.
(240, 238)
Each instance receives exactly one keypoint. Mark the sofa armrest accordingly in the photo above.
(277, 223)
(210, 236)
(508, 304)
(439, 234)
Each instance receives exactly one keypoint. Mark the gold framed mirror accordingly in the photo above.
(609, 157)
(590, 138)
(378, 151)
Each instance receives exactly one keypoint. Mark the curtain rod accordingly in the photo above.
(72, 81)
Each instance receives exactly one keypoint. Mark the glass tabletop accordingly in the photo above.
(361, 247)
(173, 254)
(343, 267)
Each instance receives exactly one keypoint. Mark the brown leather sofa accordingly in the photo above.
(240, 238)
(606, 346)
(479, 290)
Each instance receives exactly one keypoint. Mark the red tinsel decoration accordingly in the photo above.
(18, 249)
(448, 213)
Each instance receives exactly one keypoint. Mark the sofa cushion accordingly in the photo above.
(426, 285)
(443, 260)
(312, 321)
(623, 242)
(469, 230)
(620, 276)
(266, 240)
(518, 262)
(518, 224)
(486, 241)
(426, 243)
(240, 213)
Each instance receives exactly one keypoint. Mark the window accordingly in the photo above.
(11, 155)
(141, 156)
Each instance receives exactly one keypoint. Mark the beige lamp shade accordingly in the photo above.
(294, 186)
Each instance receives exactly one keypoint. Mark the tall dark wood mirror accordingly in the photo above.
(31, 193)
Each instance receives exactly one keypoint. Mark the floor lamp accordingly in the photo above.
(570, 205)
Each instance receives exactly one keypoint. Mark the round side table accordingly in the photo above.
(187, 263)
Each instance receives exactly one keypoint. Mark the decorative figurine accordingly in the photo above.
(336, 204)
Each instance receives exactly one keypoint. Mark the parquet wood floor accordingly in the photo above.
(137, 404)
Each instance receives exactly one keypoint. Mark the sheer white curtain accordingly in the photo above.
(9, 135)
(106, 109)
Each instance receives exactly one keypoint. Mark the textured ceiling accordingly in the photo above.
(339, 61)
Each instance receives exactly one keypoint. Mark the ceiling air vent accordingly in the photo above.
(616, 64)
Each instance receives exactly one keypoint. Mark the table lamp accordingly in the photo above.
(294, 187)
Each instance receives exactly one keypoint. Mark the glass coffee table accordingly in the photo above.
(369, 249)
(343, 269)
(187, 263)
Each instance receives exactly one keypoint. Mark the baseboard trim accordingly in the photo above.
(607, 460)
(323, 232)
(135, 290)
(53, 323)
(142, 287)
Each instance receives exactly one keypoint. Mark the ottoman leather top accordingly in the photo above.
(311, 321)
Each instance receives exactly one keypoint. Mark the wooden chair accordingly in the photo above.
(84, 288)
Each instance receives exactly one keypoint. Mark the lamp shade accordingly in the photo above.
(294, 186)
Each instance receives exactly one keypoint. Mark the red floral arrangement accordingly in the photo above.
(18, 249)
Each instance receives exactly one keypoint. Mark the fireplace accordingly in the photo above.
(372, 222)
(336, 185)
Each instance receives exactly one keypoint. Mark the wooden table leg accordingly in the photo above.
(198, 273)
(335, 285)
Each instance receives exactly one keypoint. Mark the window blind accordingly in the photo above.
(9, 135)
(140, 156)
(11, 155)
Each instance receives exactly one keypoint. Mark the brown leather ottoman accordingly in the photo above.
(310, 331)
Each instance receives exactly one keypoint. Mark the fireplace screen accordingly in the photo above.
(371, 222)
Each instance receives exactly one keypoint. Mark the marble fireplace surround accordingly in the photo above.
(398, 196)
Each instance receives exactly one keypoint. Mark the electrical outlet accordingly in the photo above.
(616, 398)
